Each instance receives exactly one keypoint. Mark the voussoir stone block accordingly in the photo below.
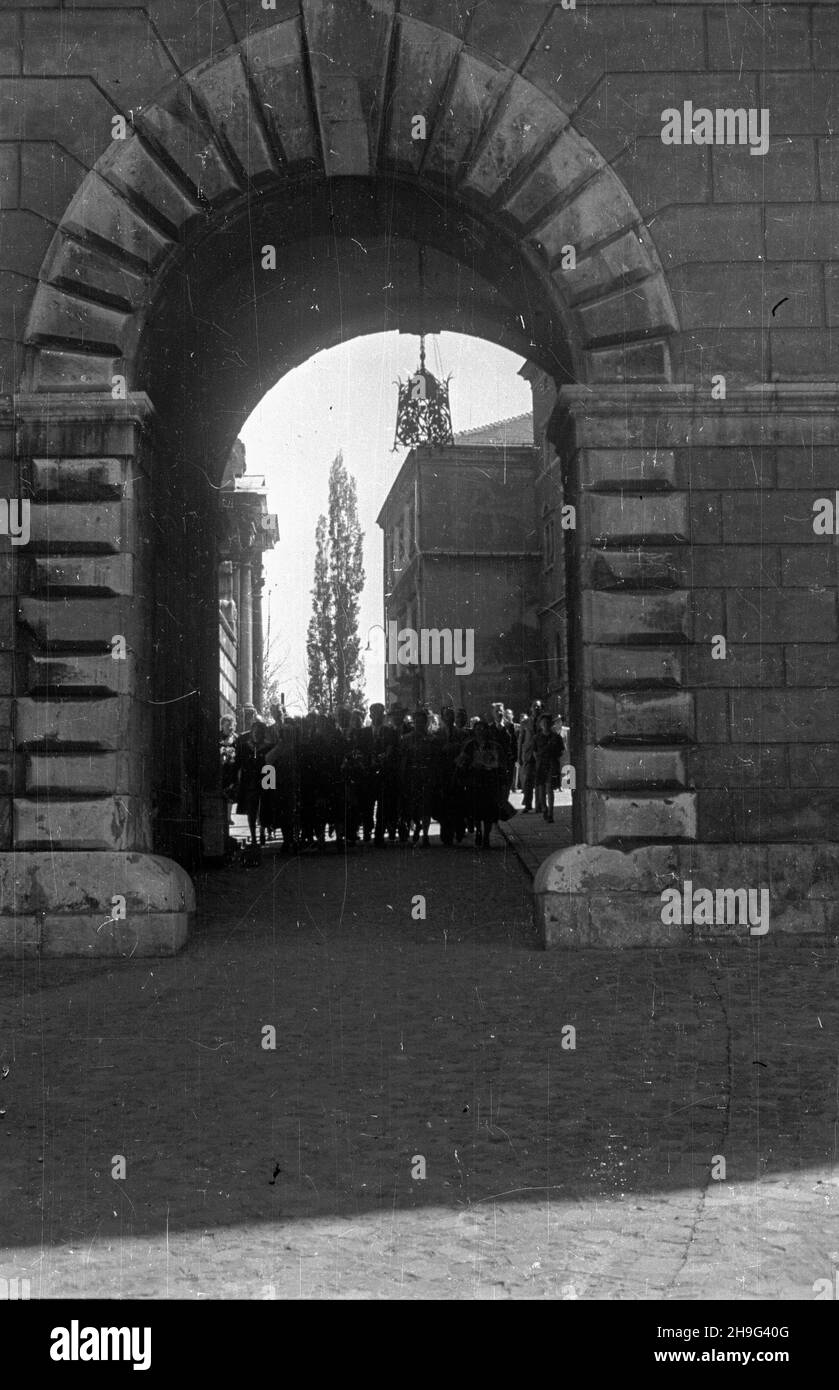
(424, 58)
(132, 170)
(569, 160)
(599, 210)
(98, 210)
(476, 87)
(223, 88)
(627, 312)
(175, 126)
(56, 313)
(524, 119)
(74, 265)
(278, 71)
(348, 47)
(629, 258)
(645, 361)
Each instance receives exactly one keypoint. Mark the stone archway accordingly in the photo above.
(334, 95)
(156, 326)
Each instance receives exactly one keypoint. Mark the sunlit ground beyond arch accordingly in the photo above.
(345, 398)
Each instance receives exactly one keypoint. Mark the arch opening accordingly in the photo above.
(157, 326)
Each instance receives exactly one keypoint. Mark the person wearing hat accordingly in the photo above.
(548, 748)
(526, 755)
(500, 732)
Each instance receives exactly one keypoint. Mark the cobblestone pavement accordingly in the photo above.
(551, 1172)
(532, 838)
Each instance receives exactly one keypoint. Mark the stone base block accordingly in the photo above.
(148, 934)
(91, 903)
(590, 895)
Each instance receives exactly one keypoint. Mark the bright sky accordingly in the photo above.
(345, 398)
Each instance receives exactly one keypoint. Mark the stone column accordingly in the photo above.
(81, 878)
(245, 636)
(258, 585)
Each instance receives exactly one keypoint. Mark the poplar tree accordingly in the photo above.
(320, 638)
(333, 644)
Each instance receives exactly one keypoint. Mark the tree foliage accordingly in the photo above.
(333, 646)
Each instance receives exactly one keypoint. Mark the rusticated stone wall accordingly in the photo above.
(707, 639)
(150, 152)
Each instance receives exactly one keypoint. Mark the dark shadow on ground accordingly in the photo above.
(396, 1036)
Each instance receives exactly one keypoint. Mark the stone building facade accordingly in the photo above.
(247, 530)
(472, 540)
(194, 199)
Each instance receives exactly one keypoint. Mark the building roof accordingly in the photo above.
(516, 430)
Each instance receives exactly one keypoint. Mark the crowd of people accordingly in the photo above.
(389, 776)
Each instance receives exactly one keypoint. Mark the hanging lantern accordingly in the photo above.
(423, 415)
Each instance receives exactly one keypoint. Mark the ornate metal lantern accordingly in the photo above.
(422, 413)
